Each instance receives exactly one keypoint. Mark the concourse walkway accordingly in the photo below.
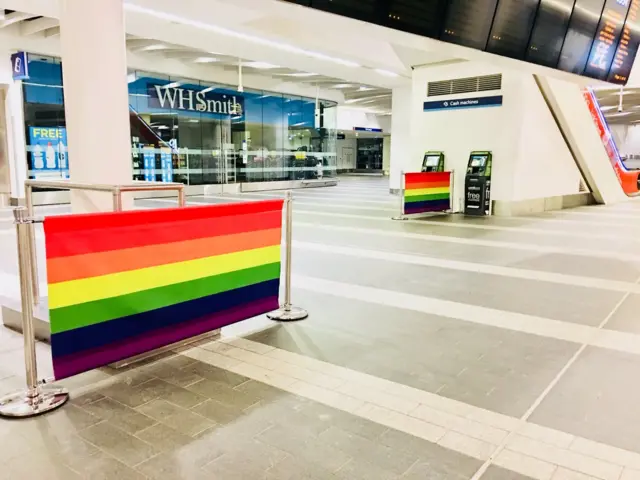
(443, 348)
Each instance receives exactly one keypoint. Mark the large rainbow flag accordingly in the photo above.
(427, 192)
(124, 283)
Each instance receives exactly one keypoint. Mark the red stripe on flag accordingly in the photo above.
(103, 220)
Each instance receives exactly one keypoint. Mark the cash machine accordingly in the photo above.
(477, 184)
(433, 162)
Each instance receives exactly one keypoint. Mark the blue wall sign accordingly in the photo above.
(20, 66)
(48, 146)
(478, 102)
(167, 165)
(367, 129)
(149, 160)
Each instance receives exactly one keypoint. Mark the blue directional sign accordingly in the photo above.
(478, 102)
(19, 66)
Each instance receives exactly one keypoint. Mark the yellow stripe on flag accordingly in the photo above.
(426, 191)
(73, 292)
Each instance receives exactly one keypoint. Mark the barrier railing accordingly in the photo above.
(116, 191)
(425, 192)
(288, 313)
(121, 284)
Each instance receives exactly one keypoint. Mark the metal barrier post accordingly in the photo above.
(182, 201)
(288, 312)
(35, 286)
(401, 197)
(35, 399)
(117, 200)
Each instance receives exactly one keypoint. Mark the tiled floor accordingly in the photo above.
(447, 348)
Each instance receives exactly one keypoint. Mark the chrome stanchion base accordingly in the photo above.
(288, 314)
(20, 405)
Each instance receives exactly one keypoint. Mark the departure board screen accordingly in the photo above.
(582, 30)
(607, 37)
(468, 22)
(549, 32)
(512, 27)
(628, 46)
(593, 38)
(423, 17)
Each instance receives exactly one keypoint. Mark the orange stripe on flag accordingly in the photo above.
(420, 186)
(62, 269)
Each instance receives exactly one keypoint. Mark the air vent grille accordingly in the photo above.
(465, 85)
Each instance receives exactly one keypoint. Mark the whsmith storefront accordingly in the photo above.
(192, 132)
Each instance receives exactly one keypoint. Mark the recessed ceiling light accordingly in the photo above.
(205, 60)
(343, 85)
(242, 36)
(155, 46)
(260, 65)
(604, 109)
(386, 73)
(172, 85)
(300, 74)
(365, 89)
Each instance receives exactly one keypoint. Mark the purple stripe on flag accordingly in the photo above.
(79, 362)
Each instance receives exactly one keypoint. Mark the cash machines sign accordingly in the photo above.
(433, 162)
(477, 184)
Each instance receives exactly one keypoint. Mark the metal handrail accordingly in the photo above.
(116, 191)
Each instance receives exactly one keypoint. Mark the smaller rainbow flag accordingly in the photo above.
(427, 192)
(125, 283)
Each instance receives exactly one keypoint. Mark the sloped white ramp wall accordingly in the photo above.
(570, 109)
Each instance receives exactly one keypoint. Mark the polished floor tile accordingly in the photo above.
(369, 388)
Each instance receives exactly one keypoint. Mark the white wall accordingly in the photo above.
(349, 117)
(530, 158)
(545, 166)
(401, 120)
(14, 118)
(459, 132)
(347, 151)
(627, 138)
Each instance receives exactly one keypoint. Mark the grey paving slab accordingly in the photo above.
(581, 265)
(497, 369)
(621, 244)
(626, 318)
(598, 399)
(498, 473)
(567, 303)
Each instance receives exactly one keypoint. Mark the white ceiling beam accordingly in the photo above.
(15, 17)
(38, 25)
(52, 32)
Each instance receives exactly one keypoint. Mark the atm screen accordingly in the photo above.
(431, 160)
(478, 161)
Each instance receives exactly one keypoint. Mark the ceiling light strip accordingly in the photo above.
(242, 36)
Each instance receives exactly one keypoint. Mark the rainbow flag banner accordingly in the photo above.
(125, 283)
(427, 192)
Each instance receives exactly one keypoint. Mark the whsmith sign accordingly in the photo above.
(176, 98)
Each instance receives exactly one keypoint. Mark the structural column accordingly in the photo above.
(96, 98)
(401, 146)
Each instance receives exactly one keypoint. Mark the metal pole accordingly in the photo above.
(33, 400)
(35, 286)
(117, 200)
(288, 241)
(401, 197)
(288, 312)
(182, 201)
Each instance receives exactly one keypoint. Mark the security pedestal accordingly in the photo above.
(477, 195)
